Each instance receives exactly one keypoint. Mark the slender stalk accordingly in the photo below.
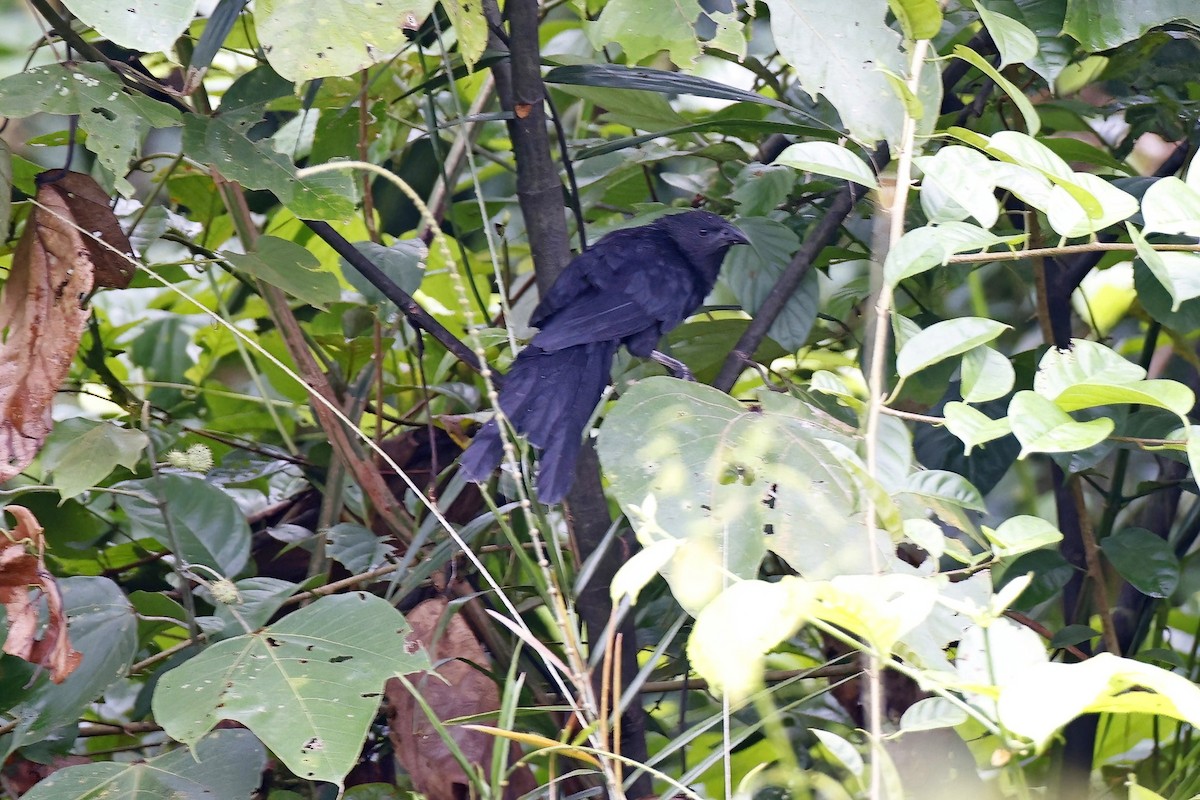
(875, 401)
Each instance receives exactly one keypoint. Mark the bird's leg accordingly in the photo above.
(677, 367)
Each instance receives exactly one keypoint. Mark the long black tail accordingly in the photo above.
(549, 396)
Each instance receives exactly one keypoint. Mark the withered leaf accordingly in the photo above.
(91, 210)
(20, 571)
(461, 691)
(42, 316)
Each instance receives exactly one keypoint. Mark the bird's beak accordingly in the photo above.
(734, 236)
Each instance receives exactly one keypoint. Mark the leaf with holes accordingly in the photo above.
(308, 686)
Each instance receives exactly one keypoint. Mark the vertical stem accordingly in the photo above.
(875, 403)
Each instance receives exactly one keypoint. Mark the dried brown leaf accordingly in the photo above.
(21, 570)
(460, 691)
(91, 210)
(42, 311)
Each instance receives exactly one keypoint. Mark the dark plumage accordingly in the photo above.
(633, 286)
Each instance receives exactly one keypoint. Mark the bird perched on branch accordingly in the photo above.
(630, 288)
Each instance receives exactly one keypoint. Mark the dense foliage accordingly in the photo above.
(924, 523)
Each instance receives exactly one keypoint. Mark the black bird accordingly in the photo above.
(630, 288)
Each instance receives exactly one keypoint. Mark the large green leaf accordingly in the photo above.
(943, 340)
(226, 763)
(104, 629)
(752, 272)
(222, 142)
(1051, 694)
(1104, 24)
(79, 453)
(843, 52)
(206, 523)
(1085, 362)
(290, 267)
(689, 462)
(1016, 43)
(304, 41)
(137, 24)
(308, 686)
(1045, 18)
(1043, 427)
(114, 117)
(644, 27)
(1144, 559)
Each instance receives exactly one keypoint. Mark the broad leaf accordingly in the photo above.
(337, 37)
(1147, 561)
(184, 511)
(81, 453)
(137, 24)
(226, 763)
(290, 267)
(308, 686)
(1042, 427)
(827, 158)
(945, 339)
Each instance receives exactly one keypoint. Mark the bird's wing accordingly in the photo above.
(594, 317)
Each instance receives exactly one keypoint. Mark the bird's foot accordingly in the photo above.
(678, 368)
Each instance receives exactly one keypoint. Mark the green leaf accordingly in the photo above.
(1033, 122)
(1085, 362)
(644, 27)
(1071, 211)
(258, 600)
(1045, 18)
(290, 267)
(919, 19)
(1103, 24)
(104, 629)
(207, 524)
(931, 713)
(1145, 560)
(1016, 43)
(986, 375)
(1172, 206)
(879, 608)
(827, 158)
(1020, 534)
(690, 462)
(335, 38)
(221, 142)
(946, 487)
(80, 453)
(922, 249)
(647, 111)
(848, 70)
(973, 427)
(731, 636)
(1170, 395)
(958, 184)
(226, 763)
(307, 686)
(641, 568)
(114, 117)
(148, 25)
(356, 548)
(752, 272)
(470, 27)
(760, 188)
(1179, 273)
(943, 340)
(1051, 694)
(1042, 427)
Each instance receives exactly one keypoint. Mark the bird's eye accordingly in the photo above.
(704, 231)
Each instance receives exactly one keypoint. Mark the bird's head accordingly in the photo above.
(702, 235)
